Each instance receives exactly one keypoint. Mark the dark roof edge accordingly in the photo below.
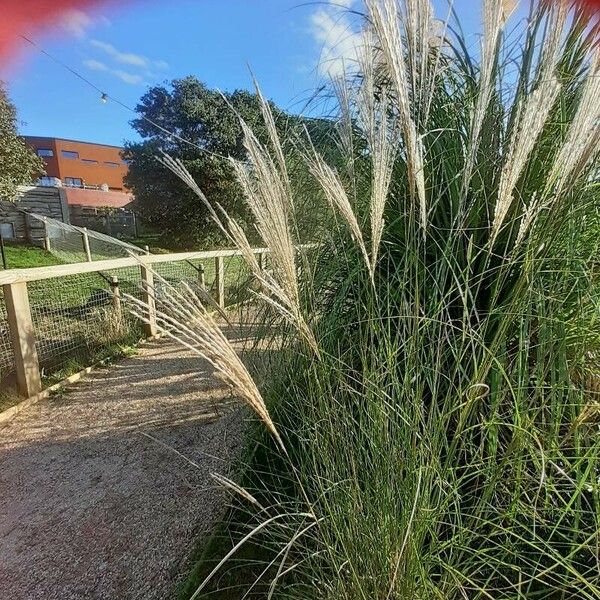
(46, 137)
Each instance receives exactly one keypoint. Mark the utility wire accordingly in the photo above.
(106, 96)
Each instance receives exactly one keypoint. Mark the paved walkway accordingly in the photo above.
(94, 502)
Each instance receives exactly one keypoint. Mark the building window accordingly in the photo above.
(48, 181)
(89, 161)
(45, 152)
(7, 231)
(69, 154)
(111, 164)
(74, 182)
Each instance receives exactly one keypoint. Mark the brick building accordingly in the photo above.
(83, 186)
(80, 164)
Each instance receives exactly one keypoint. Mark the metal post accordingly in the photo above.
(22, 337)
(2, 251)
(86, 244)
(220, 280)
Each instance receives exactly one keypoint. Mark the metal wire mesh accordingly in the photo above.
(74, 319)
(6, 354)
(67, 243)
(77, 320)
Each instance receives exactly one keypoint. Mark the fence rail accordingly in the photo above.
(49, 311)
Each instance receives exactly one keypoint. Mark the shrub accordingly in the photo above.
(433, 402)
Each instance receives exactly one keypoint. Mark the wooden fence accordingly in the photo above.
(20, 323)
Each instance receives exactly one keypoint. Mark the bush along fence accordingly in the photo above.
(51, 317)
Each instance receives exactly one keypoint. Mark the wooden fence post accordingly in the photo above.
(22, 337)
(150, 328)
(201, 276)
(220, 280)
(46, 236)
(86, 244)
(116, 297)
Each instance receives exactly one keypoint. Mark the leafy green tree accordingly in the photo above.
(208, 121)
(18, 163)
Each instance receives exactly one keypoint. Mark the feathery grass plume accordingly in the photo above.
(184, 318)
(531, 118)
(531, 211)
(552, 40)
(382, 139)
(270, 205)
(337, 197)
(495, 14)
(385, 17)
(267, 115)
(267, 195)
(583, 137)
(276, 296)
(420, 29)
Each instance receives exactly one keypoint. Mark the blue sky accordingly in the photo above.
(288, 44)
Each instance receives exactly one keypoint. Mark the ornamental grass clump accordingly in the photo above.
(434, 386)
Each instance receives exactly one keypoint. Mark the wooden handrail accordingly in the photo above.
(40, 273)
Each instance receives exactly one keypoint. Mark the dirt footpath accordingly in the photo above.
(94, 501)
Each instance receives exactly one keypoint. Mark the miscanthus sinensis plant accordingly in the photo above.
(432, 397)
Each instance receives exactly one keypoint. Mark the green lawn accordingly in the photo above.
(22, 256)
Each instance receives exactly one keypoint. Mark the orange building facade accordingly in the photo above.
(80, 164)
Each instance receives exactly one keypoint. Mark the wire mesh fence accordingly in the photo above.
(71, 244)
(79, 320)
(6, 353)
(76, 322)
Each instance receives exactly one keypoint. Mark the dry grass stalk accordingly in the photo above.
(268, 198)
(337, 197)
(583, 138)
(382, 142)
(530, 120)
(184, 318)
(230, 485)
(276, 296)
(268, 195)
(495, 14)
(386, 23)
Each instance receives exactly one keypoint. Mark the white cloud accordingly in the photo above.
(95, 65)
(339, 43)
(75, 22)
(130, 78)
(125, 58)
(124, 76)
(129, 58)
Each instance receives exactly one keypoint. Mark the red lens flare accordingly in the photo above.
(22, 17)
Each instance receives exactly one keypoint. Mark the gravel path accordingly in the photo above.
(94, 502)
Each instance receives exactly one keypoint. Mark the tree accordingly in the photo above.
(208, 121)
(18, 163)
